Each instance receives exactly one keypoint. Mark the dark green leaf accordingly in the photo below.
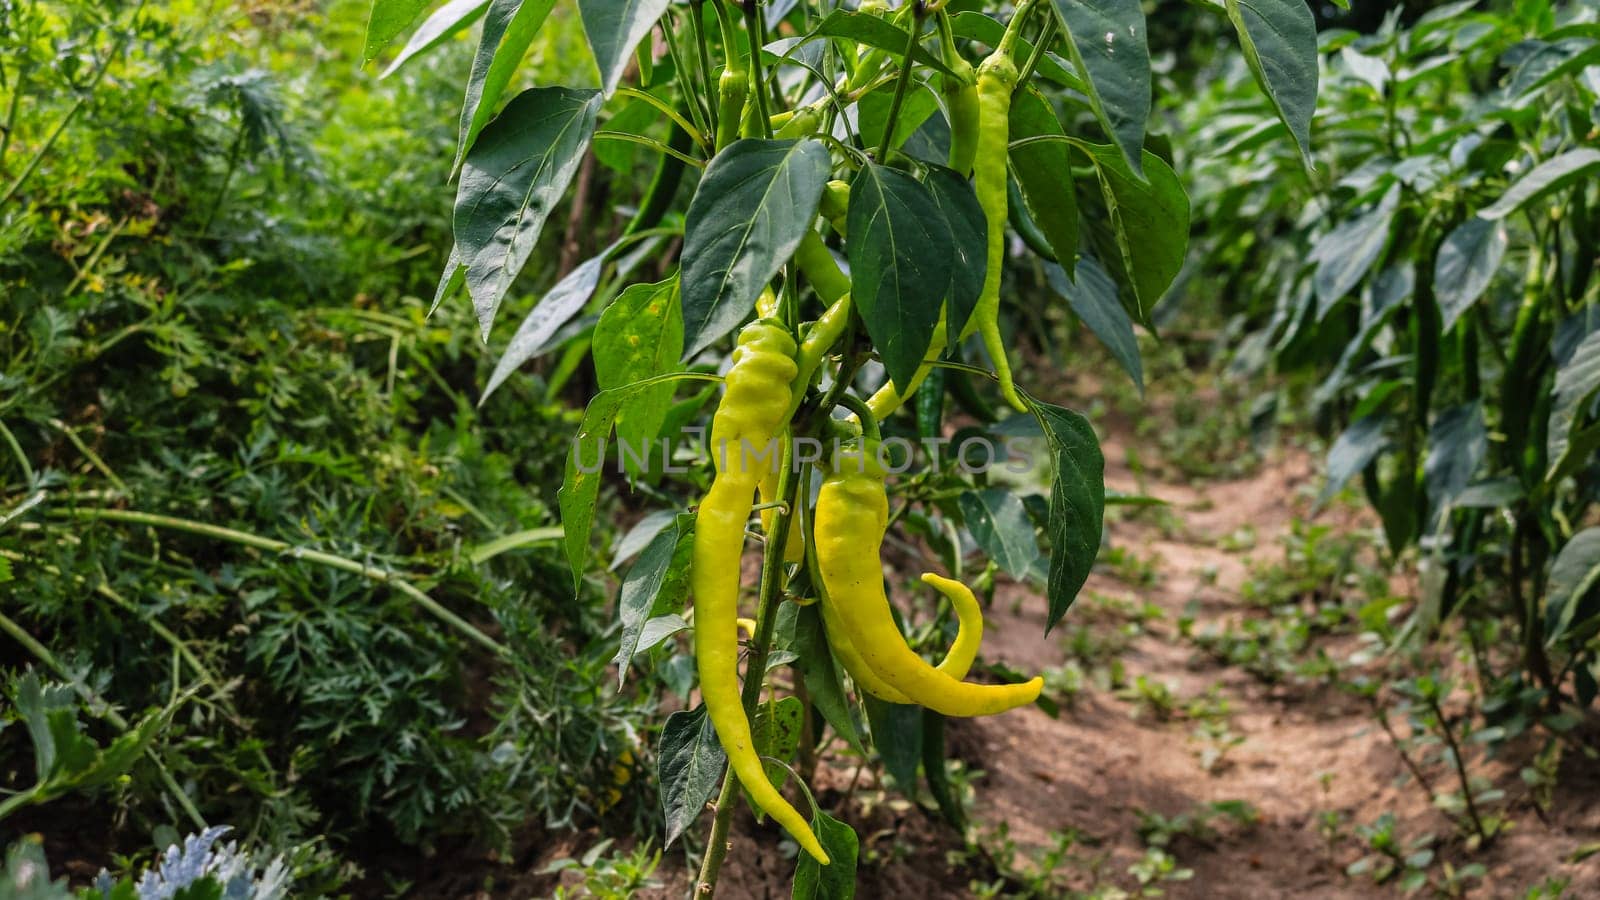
(1040, 169)
(509, 27)
(1493, 494)
(1000, 525)
(1359, 445)
(754, 204)
(1093, 298)
(1575, 383)
(874, 32)
(1553, 174)
(445, 22)
(933, 769)
(1108, 46)
(513, 177)
(1468, 260)
(900, 251)
(1077, 503)
(640, 535)
(897, 736)
(958, 203)
(586, 461)
(1573, 576)
(650, 588)
(837, 880)
(1150, 219)
(1279, 38)
(1345, 254)
(810, 644)
(919, 104)
(689, 765)
(1457, 444)
(775, 731)
(614, 28)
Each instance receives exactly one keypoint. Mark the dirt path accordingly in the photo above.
(1311, 761)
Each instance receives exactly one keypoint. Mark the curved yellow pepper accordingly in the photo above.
(750, 417)
(852, 513)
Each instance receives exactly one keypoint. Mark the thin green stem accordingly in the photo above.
(696, 19)
(73, 110)
(234, 152)
(271, 545)
(903, 82)
(869, 423)
(650, 142)
(758, 84)
(667, 110)
(1046, 35)
(89, 454)
(16, 449)
(1008, 41)
(1461, 769)
(692, 80)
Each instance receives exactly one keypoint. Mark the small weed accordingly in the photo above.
(608, 876)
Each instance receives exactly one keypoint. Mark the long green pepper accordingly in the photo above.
(997, 78)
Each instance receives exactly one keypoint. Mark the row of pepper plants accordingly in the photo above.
(1435, 278)
(845, 192)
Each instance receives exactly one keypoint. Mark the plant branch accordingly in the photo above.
(271, 545)
(904, 81)
(73, 110)
(650, 142)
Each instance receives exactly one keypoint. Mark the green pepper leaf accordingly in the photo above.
(513, 177)
(1107, 43)
(386, 21)
(837, 880)
(1149, 221)
(689, 764)
(900, 250)
(640, 335)
(445, 22)
(754, 204)
(1077, 503)
(580, 485)
(1468, 260)
(509, 28)
(958, 201)
(999, 523)
(1279, 38)
(614, 28)
(1049, 197)
(1093, 297)
(656, 584)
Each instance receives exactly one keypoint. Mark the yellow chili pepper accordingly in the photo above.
(749, 418)
(852, 514)
(957, 661)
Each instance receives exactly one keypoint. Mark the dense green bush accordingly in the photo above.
(216, 284)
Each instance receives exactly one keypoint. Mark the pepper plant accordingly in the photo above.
(852, 179)
(1437, 279)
